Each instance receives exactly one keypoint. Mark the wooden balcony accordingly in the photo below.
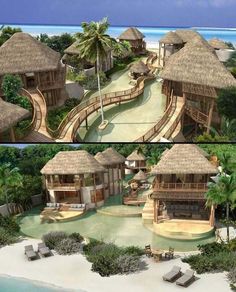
(196, 115)
(180, 187)
(63, 186)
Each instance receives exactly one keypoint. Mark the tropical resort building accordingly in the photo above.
(218, 44)
(195, 74)
(10, 115)
(135, 39)
(135, 162)
(139, 69)
(89, 68)
(37, 65)
(179, 188)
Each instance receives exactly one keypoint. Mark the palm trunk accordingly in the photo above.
(99, 86)
(227, 218)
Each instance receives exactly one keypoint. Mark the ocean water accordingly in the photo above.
(10, 284)
(152, 34)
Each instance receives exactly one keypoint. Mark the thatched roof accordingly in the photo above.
(136, 156)
(186, 34)
(23, 54)
(10, 115)
(196, 64)
(184, 159)
(113, 156)
(218, 44)
(131, 34)
(139, 67)
(140, 176)
(74, 50)
(102, 159)
(171, 38)
(72, 162)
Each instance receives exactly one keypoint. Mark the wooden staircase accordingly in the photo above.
(148, 211)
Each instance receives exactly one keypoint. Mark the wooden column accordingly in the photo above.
(95, 190)
(108, 181)
(113, 181)
(164, 55)
(12, 135)
(159, 59)
(210, 116)
(156, 210)
(212, 216)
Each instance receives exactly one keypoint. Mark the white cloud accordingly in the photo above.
(206, 3)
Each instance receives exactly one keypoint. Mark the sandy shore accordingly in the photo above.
(74, 272)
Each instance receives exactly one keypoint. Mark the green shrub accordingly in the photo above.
(92, 243)
(71, 103)
(133, 250)
(232, 244)
(51, 239)
(6, 237)
(127, 264)
(76, 236)
(107, 249)
(9, 224)
(212, 248)
(231, 276)
(67, 246)
(105, 265)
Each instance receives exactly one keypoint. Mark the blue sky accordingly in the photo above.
(212, 13)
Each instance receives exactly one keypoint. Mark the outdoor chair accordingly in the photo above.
(30, 253)
(187, 278)
(44, 250)
(173, 275)
(169, 254)
(148, 250)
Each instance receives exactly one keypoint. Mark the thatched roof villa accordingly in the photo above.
(218, 44)
(105, 64)
(196, 74)
(140, 176)
(10, 115)
(135, 161)
(180, 185)
(135, 38)
(36, 64)
(139, 69)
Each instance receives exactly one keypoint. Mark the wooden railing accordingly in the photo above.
(64, 185)
(154, 131)
(196, 115)
(180, 186)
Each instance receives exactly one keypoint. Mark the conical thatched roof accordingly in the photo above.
(72, 162)
(10, 115)
(102, 159)
(171, 38)
(139, 67)
(184, 159)
(140, 176)
(136, 156)
(113, 156)
(218, 44)
(186, 34)
(74, 50)
(196, 64)
(131, 34)
(23, 54)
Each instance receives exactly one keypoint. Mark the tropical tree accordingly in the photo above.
(223, 192)
(227, 131)
(226, 102)
(9, 178)
(93, 45)
(6, 33)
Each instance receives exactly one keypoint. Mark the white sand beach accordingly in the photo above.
(74, 272)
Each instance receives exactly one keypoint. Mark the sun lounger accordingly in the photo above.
(44, 250)
(187, 278)
(30, 253)
(174, 274)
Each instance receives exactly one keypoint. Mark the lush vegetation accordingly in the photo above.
(122, 63)
(226, 102)
(6, 33)
(55, 116)
(8, 230)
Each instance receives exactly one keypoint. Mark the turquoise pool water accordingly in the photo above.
(10, 284)
(121, 230)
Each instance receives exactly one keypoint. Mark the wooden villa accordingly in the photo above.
(180, 185)
(196, 74)
(75, 177)
(135, 161)
(105, 65)
(139, 69)
(37, 65)
(10, 115)
(136, 40)
(218, 44)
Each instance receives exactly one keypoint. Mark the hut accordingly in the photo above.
(105, 64)
(187, 34)
(75, 177)
(196, 74)
(218, 44)
(36, 64)
(139, 69)
(168, 45)
(136, 40)
(180, 185)
(135, 161)
(10, 115)
(116, 170)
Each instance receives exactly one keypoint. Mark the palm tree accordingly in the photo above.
(223, 192)
(9, 178)
(228, 129)
(93, 45)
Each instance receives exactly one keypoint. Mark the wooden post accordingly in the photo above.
(164, 55)
(113, 181)
(212, 216)
(95, 190)
(159, 59)
(12, 135)
(210, 116)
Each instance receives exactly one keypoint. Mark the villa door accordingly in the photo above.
(30, 80)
